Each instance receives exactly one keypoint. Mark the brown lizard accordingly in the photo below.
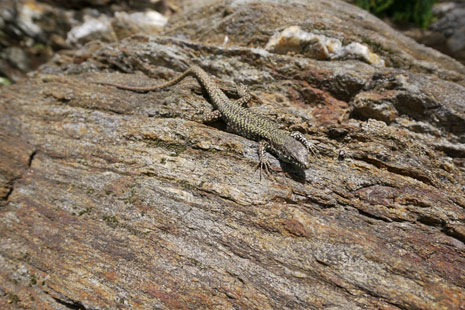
(290, 147)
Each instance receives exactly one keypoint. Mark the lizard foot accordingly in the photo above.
(264, 166)
(302, 139)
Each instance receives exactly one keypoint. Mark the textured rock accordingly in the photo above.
(451, 25)
(447, 32)
(114, 199)
(31, 32)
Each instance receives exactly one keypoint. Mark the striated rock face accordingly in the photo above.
(112, 199)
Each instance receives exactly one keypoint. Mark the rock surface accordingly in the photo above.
(112, 199)
(447, 33)
(32, 32)
(451, 26)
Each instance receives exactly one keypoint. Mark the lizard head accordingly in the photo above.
(294, 152)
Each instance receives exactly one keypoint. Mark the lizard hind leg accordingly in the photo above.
(211, 116)
(244, 95)
(203, 115)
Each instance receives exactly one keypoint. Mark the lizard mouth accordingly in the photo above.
(297, 163)
(302, 166)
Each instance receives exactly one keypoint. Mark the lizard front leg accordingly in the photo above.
(302, 139)
(264, 164)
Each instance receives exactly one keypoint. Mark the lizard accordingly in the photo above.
(291, 147)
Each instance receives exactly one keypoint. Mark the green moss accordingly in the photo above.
(392, 58)
(32, 280)
(133, 231)
(376, 47)
(418, 12)
(4, 81)
(111, 221)
(85, 211)
(13, 299)
(27, 257)
(39, 46)
(186, 185)
(176, 149)
(212, 150)
(149, 174)
(132, 194)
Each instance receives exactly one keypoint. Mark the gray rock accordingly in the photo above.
(451, 25)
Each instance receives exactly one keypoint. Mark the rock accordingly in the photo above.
(294, 39)
(116, 199)
(148, 22)
(108, 29)
(36, 30)
(447, 32)
(17, 57)
(92, 29)
(28, 32)
(451, 24)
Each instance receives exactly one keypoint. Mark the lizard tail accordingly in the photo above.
(145, 89)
